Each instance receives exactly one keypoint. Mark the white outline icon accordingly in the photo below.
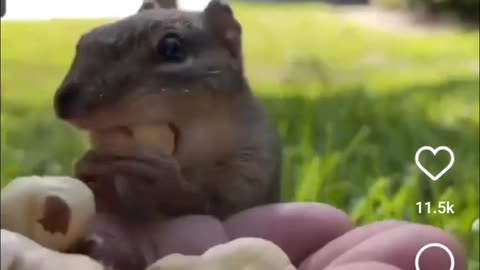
(449, 252)
(434, 151)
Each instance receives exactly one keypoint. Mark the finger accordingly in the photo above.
(298, 228)
(400, 246)
(188, 235)
(361, 266)
(342, 244)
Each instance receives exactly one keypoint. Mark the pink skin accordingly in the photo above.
(317, 236)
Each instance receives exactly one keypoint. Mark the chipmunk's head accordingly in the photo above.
(159, 65)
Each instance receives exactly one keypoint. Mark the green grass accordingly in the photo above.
(352, 106)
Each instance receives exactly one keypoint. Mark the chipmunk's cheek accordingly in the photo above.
(205, 139)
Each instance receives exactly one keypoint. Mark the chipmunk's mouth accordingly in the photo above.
(120, 134)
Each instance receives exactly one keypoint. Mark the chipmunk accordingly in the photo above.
(181, 70)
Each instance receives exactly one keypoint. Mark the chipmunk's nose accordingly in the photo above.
(67, 101)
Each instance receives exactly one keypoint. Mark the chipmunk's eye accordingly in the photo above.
(172, 49)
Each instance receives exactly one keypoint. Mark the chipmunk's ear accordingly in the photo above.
(152, 4)
(219, 18)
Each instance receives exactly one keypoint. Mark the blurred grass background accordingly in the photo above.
(352, 106)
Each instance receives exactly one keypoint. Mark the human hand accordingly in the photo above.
(314, 236)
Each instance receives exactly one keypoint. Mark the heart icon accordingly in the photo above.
(434, 151)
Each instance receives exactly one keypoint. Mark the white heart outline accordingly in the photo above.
(434, 152)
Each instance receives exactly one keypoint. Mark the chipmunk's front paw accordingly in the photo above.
(52, 211)
(138, 181)
(148, 165)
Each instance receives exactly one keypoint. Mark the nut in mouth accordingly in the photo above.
(122, 139)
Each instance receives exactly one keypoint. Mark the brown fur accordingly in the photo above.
(227, 157)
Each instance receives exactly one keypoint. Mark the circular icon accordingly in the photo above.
(448, 251)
